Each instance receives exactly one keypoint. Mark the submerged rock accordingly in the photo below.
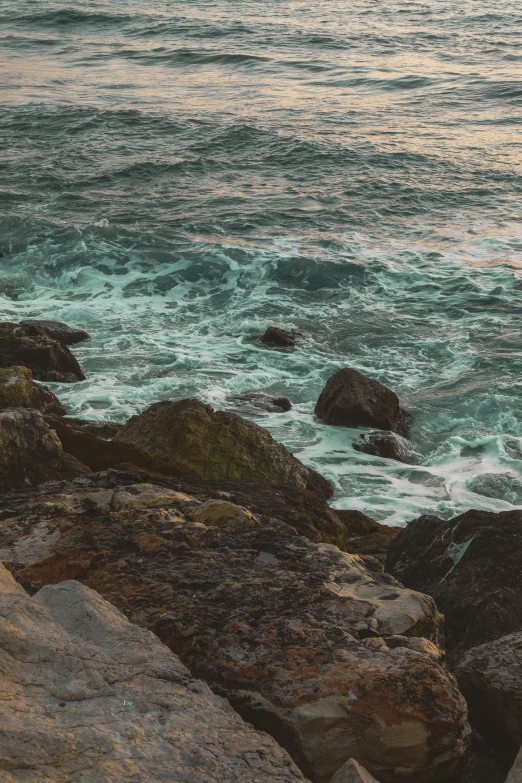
(279, 337)
(262, 401)
(353, 400)
(365, 536)
(30, 346)
(18, 390)
(472, 566)
(197, 441)
(293, 633)
(490, 677)
(62, 333)
(30, 452)
(86, 695)
(383, 444)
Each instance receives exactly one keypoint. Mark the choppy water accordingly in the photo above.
(176, 176)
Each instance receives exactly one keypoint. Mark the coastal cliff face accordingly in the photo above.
(319, 647)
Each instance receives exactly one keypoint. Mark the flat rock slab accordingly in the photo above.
(317, 646)
(88, 697)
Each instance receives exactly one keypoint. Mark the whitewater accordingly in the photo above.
(177, 176)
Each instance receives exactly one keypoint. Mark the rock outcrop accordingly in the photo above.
(353, 400)
(18, 390)
(352, 772)
(62, 333)
(472, 566)
(365, 536)
(29, 345)
(383, 444)
(261, 401)
(490, 677)
(88, 696)
(312, 644)
(274, 335)
(30, 452)
(195, 440)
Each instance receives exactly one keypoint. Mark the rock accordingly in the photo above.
(62, 333)
(515, 774)
(262, 401)
(30, 452)
(352, 772)
(279, 337)
(353, 400)
(197, 441)
(490, 677)
(225, 515)
(383, 444)
(472, 566)
(86, 695)
(484, 764)
(365, 536)
(102, 429)
(293, 633)
(18, 390)
(30, 346)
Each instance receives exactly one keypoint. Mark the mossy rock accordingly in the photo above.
(17, 390)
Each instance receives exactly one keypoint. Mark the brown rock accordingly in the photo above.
(62, 333)
(352, 772)
(30, 346)
(387, 445)
(365, 536)
(18, 390)
(197, 441)
(353, 400)
(255, 401)
(279, 337)
(284, 628)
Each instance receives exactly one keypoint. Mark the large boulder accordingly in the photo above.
(387, 445)
(472, 566)
(18, 390)
(29, 345)
(315, 646)
(88, 696)
(490, 677)
(62, 333)
(353, 400)
(31, 453)
(197, 441)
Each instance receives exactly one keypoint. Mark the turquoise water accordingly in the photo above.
(176, 176)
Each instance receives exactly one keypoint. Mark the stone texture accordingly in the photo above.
(515, 774)
(472, 566)
(490, 677)
(197, 441)
(30, 452)
(255, 401)
(102, 429)
(353, 400)
(387, 445)
(89, 697)
(352, 772)
(18, 390)
(294, 633)
(365, 536)
(274, 335)
(62, 333)
(30, 346)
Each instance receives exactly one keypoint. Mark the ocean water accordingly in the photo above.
(176, 176)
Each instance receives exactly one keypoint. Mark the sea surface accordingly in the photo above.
(176, 176)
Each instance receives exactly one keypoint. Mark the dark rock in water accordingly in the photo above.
(353, 400)
(365, 536)
(18, 390)
(472, 566)
(30, 346)
(62, 333)
(382, 444)
(276, 336)
(198, 441)
(262, 401)
(490, 677)
(31, 453)
(293, 633)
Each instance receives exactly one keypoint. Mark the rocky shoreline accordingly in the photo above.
(180, 603)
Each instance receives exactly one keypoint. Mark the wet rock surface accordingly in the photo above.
(197, 441)
(293, 633)
(30, 452)
(88, 696)
(353, 400)
(62, 333)
(18, 390)
(472, 566)
(261, 401)
(29, 345)
(274, 335)
(383, 444)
